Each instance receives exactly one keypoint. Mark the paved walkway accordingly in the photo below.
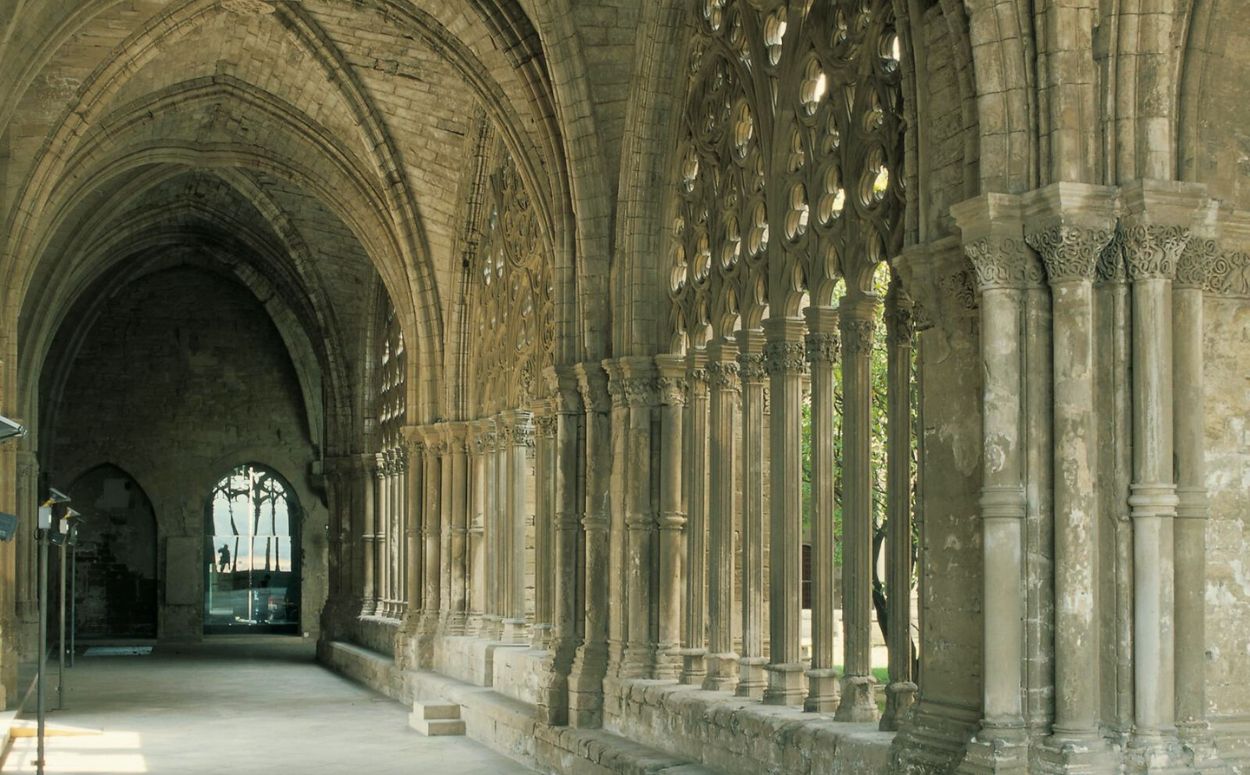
(238, 705)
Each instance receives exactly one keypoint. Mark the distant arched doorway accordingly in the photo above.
(251, 554)
(115, 558)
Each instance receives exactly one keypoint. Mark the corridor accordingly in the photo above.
(237, 705)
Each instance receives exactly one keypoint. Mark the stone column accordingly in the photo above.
(751, 374)
(638, 379)
(590, 665)
(694, 623)
(368, 535)
(1151, 252)
(1192, 511)
(414, 495)
(431, 529)
(857, 317)
(402, 523)
(520, 437)
(786, 365)
(544, 523)
(993, 240)
(1069, 244)
(672, 520)
(477, 548)
(722, 368)
(822, 346)
(446, 517)
(569, 500)
(492, 621)
(457, 560)
(901, 690)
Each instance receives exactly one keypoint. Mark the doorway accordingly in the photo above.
(251, 556)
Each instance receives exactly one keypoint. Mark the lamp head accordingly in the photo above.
(8, 527)
(10, 429)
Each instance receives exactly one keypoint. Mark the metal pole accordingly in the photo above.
(60, 670)
(42, 536)
(73, 600)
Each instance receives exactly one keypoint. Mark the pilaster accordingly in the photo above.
(751, 376)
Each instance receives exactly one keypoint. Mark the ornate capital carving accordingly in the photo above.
(857, 335)
(1069, 252)
(823, 348)
(1230, 274)
(900, 325)
(545, 425)
(1002, 262)
(592, 383)
(751, 367)
(722, 375)
(1193, 270)
(1110, 268)
(785, 358)
(1153, 250)
(640, 391)
(672, 390)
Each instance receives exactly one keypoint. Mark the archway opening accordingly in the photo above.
(252, 561)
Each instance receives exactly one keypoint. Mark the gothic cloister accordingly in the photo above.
(736, 386)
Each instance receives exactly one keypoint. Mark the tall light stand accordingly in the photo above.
(60, 667)
(41, 536)
(73, 593)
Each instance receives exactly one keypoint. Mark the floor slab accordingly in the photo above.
(241, 705)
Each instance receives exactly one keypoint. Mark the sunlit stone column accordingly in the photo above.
(822, 349)
(618, 547)
(694, 623)
(413, 496)
(638, 379)
(431, 528)
(1151, 252)
(402, 522)
(569, 501)
(477, 528)
(368, 536)
(457, 559)
(993, 239)
(590, 665)
(899, 329)
(492, 620)
(520, 437)
(1069, 238)
(672, 519)
(857, 317)
(786, 364)
(1192, 512)
(722, 367)
(544, 523)
(751, 375)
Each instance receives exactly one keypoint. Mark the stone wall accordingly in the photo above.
(181, 378)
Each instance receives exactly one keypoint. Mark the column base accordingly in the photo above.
(693, 667)
(1199, 746)
(540, 636)
(899, 697)
(637, 661)
(492, 627)
(668, 661)
(1158, 752)
(1065, 753)
(823, 690)
(751, 678)
(996, 752)
(586, 687)
(553, 702)
(722, 672)
(858, 703)
(786, 685)
(514, 631)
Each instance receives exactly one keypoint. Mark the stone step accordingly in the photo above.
(437, 727)
(434, 719)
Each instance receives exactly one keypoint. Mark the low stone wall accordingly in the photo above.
(743, 737)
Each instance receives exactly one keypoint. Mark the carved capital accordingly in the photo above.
(592, 384)
(1069, 252)
(1196, 263)
(900, 324)
(751, 367)
(1002, 262)
(823, 348)
(1230, 274)
(1153, 250)
(785, 358)
(545, 426)
(640, 391)
(722, 375)
(857, 335)
(672, 390)
(1111, 268)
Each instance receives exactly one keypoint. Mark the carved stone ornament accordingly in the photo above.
(822, 348)
(1002, 262)
(1069, 252)
(786, 358)
(672, 390)
(247, 7)
(857, 335)
(546, 425)
(1230, 274)
(751, 367)
(1196, 262)
(640, 391)
(1110, 268)
(697, 377)
(900, 325)
(1152, 250)
(722, 375)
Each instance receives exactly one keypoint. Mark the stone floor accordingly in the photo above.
(243, 705)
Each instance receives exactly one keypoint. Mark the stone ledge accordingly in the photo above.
(736, 735)
(362, 665)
